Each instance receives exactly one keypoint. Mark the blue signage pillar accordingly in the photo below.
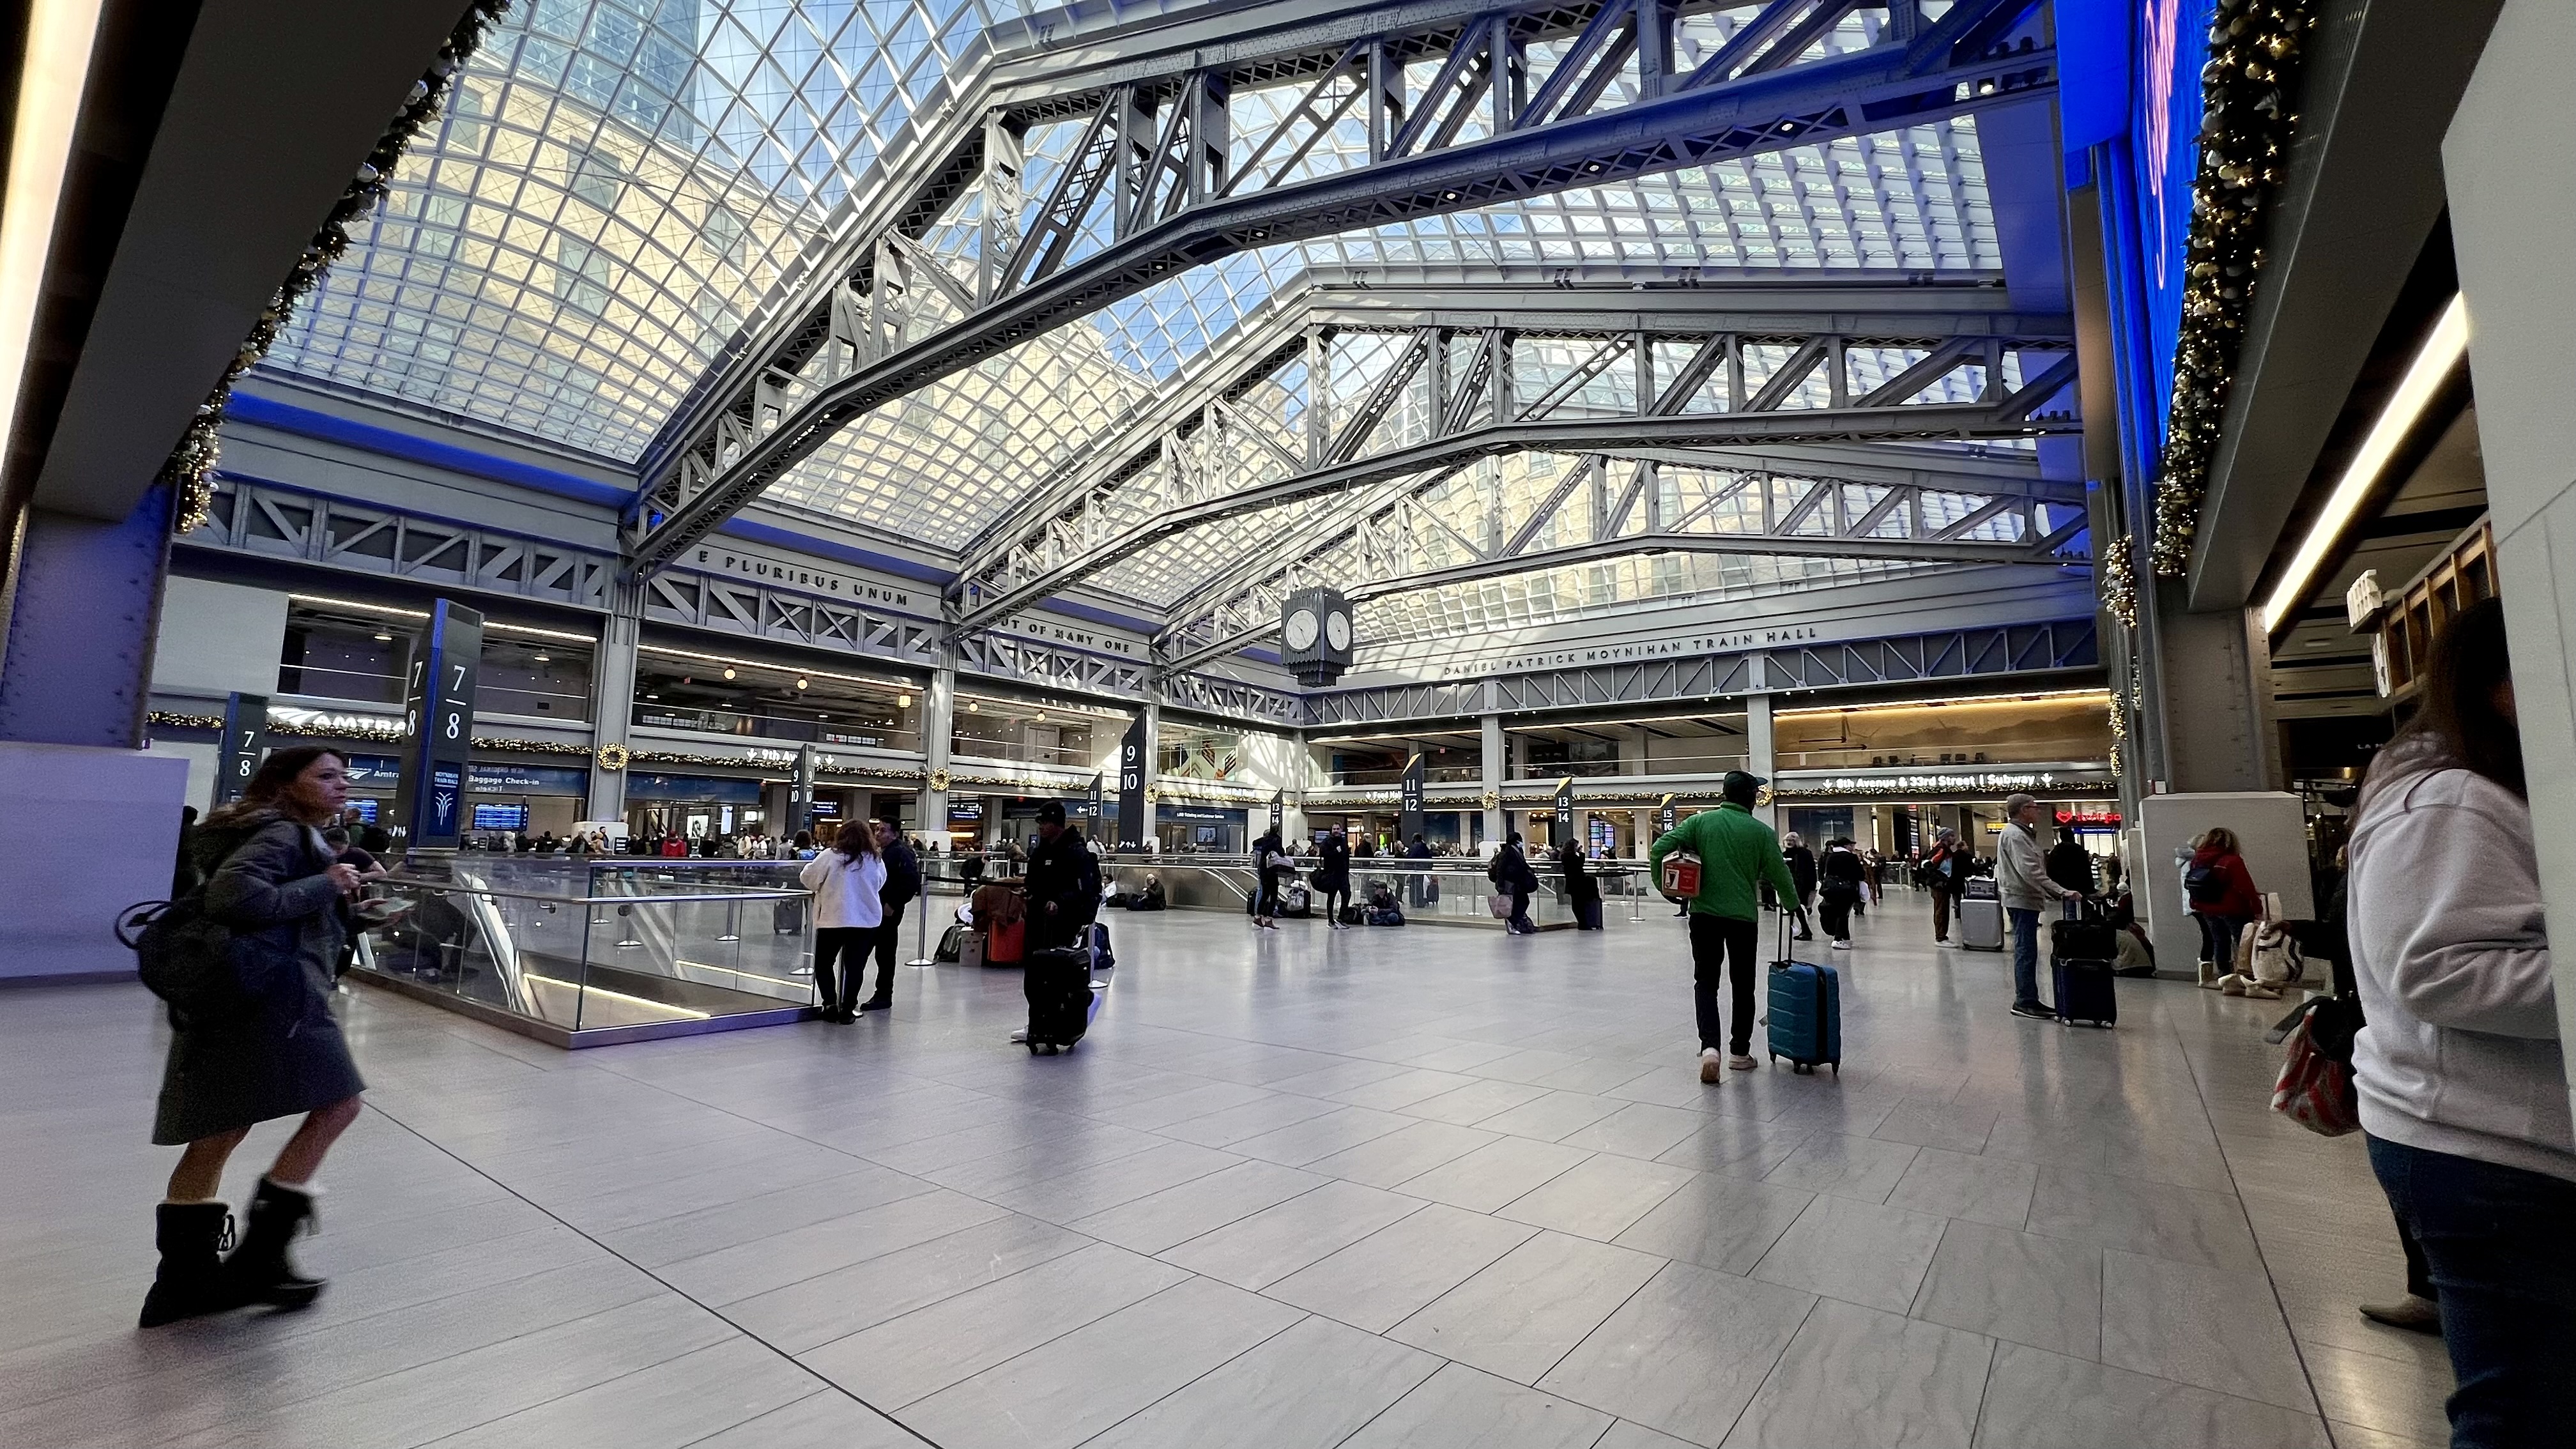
(245, 744)
(438, 727)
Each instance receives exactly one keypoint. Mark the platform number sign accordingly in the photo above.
(245, 744)
(438, 727)
(1131, 787)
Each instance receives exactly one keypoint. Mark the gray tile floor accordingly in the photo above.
(1419, 1187)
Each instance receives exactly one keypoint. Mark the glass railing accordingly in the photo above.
(1444, 891)
(581, 955)
(777, 727)
(1394, 775)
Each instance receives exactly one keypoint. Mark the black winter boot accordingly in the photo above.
(191, 1283)
(259, 1270)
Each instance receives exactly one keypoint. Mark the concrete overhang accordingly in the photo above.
(2363, 192)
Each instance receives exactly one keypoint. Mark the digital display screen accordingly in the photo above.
(365, 810)
(500, 817)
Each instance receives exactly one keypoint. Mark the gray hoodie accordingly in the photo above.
(2461, 1054)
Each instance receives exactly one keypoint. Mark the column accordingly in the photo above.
(2509, 163)
(1492, 761)
(938, 718)
(2213, 676)
(1758, 753)
(612, 698)
(98, 818)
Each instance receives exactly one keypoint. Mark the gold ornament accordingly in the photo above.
(1153, 794)
(613, 757)
(1493, 799)
(939, 780)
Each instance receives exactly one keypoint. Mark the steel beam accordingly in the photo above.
(1719, 112)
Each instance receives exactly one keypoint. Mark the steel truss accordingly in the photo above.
(1447, 395)
(1734, 510)
(271, 521)
(2008, 649)
(1465, 103)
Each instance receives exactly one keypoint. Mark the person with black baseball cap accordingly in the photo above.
(1063, 882)
(1735, 851)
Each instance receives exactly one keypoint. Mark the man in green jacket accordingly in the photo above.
(1735, 851)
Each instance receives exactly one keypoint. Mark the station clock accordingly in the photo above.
(1315, 635)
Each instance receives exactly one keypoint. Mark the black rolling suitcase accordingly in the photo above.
(2080, 959)
(1057, 982)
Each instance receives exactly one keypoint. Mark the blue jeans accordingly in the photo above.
(2496, 1239)
(2025, 933)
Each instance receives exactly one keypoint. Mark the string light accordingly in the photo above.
(191, 466)
(2246, 123)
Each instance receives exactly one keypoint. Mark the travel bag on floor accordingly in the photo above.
(952, 943)
(1005, 944)
(2082, 982)
(1981, 923)
(1806, 1011)
(2086, 934)
(1057, 982)
(1350, 915)
(1587, 915)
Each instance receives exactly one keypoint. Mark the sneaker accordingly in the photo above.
(2231, 984)
(2415, 1315)
(1842, 945)
(879, 1003)
(1710, 1072)
(2033, 1010)
(1741, 1062)
(1021, 1035)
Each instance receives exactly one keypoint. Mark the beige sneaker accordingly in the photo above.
(1742, 1064)
(1711, 1067)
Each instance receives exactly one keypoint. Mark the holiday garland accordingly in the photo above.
(2246, 121)
(190, 469)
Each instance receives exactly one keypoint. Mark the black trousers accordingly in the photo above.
(889, 938)
(846, 947)
(1338, 894)
(1721, 946)
(1833, 912)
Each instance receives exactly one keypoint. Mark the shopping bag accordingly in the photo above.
(1681, 875)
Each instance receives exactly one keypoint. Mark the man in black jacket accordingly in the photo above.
(902, 883)
(1063, 882)
(1802, 874)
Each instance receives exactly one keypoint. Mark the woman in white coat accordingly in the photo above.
(2461, 1083)
(845, 881)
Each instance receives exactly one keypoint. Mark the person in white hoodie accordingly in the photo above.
(2461, 1085)
(846, 881)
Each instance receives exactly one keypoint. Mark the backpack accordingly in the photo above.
(2206, 885)
(195, 963)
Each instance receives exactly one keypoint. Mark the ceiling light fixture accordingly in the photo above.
(2424, 377)
(801, 682)
(728, 671)
(903, 701)
(543, 658)
(383, 637)
(53, 69)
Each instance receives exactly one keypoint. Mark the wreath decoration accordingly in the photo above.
(1493, 799)
(613, 757)
(939, 780)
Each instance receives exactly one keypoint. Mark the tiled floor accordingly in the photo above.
(1419, 1187)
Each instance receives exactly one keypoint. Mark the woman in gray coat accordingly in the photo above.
(269, 878)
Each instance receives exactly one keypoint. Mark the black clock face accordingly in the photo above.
(1337, 629)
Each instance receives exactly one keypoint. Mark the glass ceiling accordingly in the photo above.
(618, 184)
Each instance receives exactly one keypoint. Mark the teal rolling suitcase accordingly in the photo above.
(1806, 1012)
